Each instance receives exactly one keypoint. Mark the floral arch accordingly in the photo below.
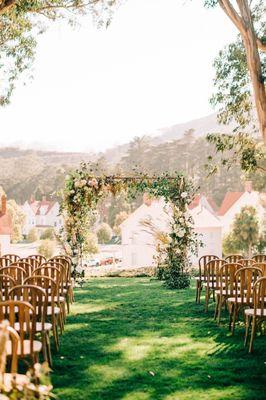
(83, 190)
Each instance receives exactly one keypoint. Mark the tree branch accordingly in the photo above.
(261, 46)
(6, 5)
(233, 15)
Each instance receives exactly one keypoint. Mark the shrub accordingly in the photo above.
(104, 233)
(91, 244)
(48, 234)
(47, 248)
(32, 235)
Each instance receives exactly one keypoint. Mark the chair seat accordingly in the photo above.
(20, 380)
(211, 285)
(259, 312)
(38, 326)
(225, 293)
(240, 300)
(37, 346)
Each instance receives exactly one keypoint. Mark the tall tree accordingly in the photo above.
(249, 19)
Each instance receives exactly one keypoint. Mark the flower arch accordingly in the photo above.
(83, 190)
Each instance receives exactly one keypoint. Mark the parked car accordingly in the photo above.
(92, 262)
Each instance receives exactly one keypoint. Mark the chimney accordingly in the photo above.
(3, 205)
(248, 186)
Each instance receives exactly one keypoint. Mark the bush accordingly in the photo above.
(47, 248)
(48, 234)
(91, 244)
(104, 233)
(32, 235)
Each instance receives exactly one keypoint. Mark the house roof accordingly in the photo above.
(36, 206)
(229, 200)
(197, 200)
(203, 218)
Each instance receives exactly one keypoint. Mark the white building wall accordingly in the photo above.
(4, 244)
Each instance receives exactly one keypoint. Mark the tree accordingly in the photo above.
(18, 220)
(121, 217)
(47, 248)
(245, 233)
(249, 19)
(32, 235)
(104, 233)
(91, 244)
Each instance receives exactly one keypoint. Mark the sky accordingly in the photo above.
(96, 88)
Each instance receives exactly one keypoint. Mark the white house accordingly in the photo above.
(234, 201)
(41, 215)
(139, 245)
(5, 228)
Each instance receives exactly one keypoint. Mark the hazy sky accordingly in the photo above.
(93, 88)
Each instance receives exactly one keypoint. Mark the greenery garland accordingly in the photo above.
(83, 191)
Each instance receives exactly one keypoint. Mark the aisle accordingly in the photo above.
(132, 339)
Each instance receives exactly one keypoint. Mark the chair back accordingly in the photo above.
(38, 257)
(23, 313)
(246, 262)
(259, 258)
(34, 295)
(5, 262)
(12, 257)
(8, 333)
(202, 265)
(33, 263)
(63, 260)
(234, 258)
(213, 271)
(6, 283)
(16, 272)
(23, 264)
(244, 282)
(262, 266)
(226, 280)
(259, 297)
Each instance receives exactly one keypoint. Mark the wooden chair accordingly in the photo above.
(257, 313)
(246, 262)
(53, 310)
(32, 262)
(9, 335)
(67, 287)
(212, 270)
(38, 298)
(6, 283)
(259, 258)
(262, 266)
(202, 273)
(5, 262)
(234, 258)
(23, 264)
(244, 282)
(38, 257)
(12, 257)
(226, 283)
(22, 313)
(17, 273)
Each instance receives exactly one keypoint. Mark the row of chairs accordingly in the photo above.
(35, 295)
(237, 283)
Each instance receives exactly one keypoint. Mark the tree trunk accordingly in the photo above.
(254, 65)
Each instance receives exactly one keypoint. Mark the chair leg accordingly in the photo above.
(235, 314)
(49, 354)
(231, 311)
(217, 306)
(221, 301)
(253, 331)
(247, 326)
(207, 296)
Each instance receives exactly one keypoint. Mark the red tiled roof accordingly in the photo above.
(195, 202)
(229, 200)
(36, 206)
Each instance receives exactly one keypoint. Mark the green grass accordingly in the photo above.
(133, 339)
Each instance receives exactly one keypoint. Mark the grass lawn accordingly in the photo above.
(132, 339)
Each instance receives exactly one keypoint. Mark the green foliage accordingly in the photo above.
(18, 220)
(104, 233)
(230, 245)
(120, 217)
(47, 248)
(48, 234)
(32, 235)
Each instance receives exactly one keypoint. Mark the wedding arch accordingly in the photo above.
(83, 190)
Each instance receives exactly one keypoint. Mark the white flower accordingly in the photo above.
(180, 233)
(184, 195)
